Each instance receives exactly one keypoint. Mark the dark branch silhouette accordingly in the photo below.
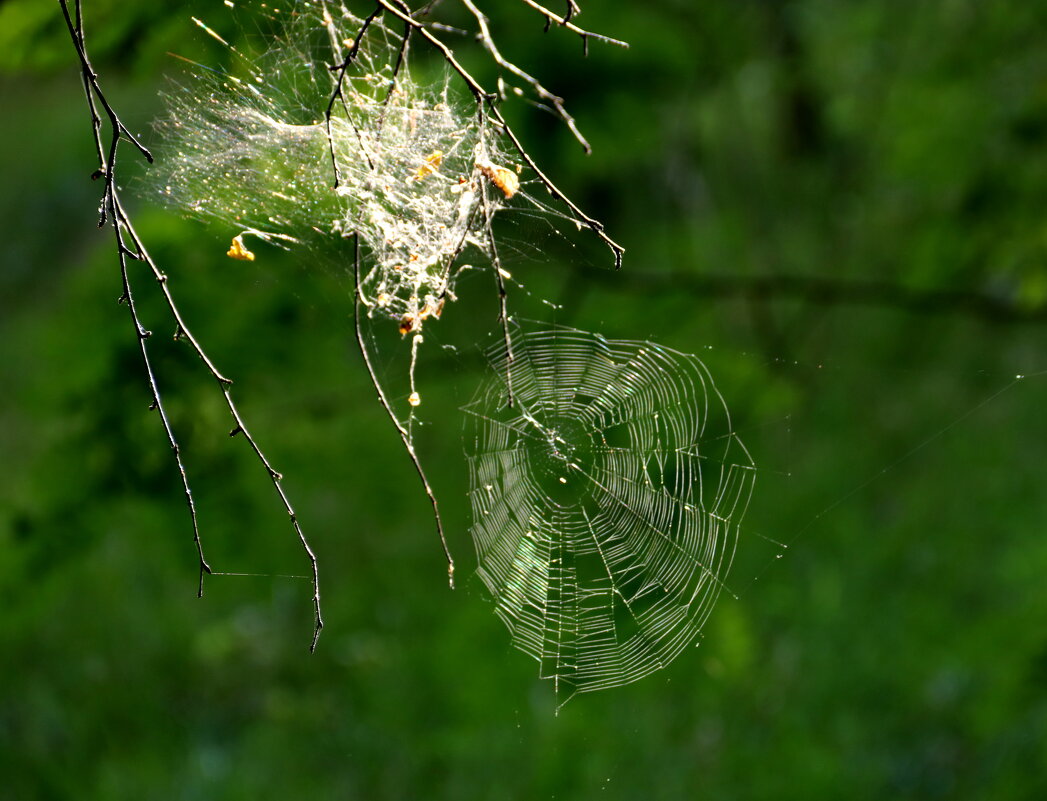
(130, 246)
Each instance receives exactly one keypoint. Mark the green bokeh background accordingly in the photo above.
(841, 207)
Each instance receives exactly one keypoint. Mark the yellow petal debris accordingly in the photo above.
(502, 177)
(414, 399)
(432, 164)
(237, 250)
(432, 308)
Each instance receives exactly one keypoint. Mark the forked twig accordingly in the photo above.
(338, 92)
(339, 96)
(555, 101)
(483, 96)
(594, 225)
(551, 17)
(485, 103)
(108, 210)
(130, 246)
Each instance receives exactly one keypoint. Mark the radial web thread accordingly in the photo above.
(606, 501)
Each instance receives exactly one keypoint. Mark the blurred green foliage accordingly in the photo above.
(897, 649)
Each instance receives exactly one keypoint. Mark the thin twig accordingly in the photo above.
(594, 225)
(401, 59)
(125, 234)
(224, 385)
(110, 203)
(405, 436)
(338, 96)
(565, 22)
(478, 91)
(503, 313)
(544, 94)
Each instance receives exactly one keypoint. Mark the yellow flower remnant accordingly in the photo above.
(431, 165)
(502, 177)
(237, 250)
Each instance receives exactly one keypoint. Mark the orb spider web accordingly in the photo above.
(607, 487)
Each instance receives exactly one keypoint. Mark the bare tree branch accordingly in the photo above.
(555, 101)
(130, 246)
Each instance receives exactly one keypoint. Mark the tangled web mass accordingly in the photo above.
(606, 502)
(417, 179)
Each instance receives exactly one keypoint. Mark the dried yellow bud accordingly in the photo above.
(238, 251)
(432, 164)
(502, 177)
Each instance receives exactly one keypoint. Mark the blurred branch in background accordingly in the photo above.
(819, 291)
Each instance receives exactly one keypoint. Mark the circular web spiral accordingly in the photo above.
(606, 501)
